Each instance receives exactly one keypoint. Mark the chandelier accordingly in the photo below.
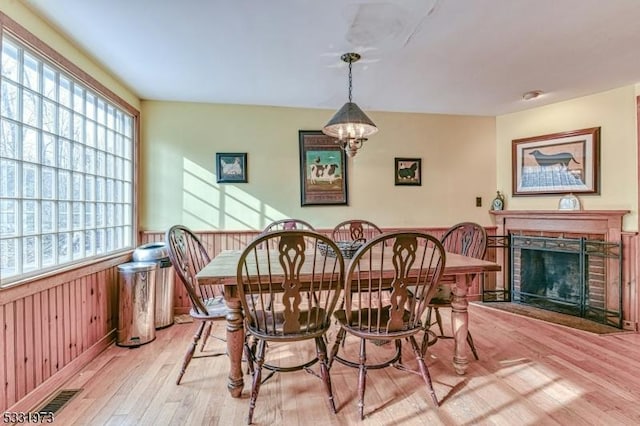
(350, 125)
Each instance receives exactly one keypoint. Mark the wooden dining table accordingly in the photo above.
(458, 273)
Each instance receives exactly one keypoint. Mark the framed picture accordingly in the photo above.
(408, 171)
(560, 163)
(231, 167)
(323, 170)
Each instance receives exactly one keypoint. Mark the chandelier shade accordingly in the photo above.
(350, 119)
(350, 125)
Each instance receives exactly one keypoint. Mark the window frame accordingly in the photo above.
(92, 87)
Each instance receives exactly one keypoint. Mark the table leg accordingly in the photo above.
(235, 342)
(460, 322)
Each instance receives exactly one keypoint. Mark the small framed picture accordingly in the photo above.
(408, 171)
(231, 167)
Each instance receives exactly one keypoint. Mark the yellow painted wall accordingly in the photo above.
(180, 140)
(614, 112)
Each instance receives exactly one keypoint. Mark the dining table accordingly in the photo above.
(459, 272)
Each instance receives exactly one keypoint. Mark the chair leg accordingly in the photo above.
(439, 321)
(424, 371)
(321, 351)
(362, 378)
(190, 351)
(206, 333)
(257, 379)
(248, 353)
(472, 346)
(336, 345)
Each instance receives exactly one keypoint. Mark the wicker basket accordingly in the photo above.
(348, 248)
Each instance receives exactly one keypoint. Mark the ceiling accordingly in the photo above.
(436, 56)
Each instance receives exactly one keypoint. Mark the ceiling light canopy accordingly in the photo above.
(350, 125)
(527, 96)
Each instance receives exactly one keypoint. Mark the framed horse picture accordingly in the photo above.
(559, 163)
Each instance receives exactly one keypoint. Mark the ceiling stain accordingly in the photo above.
(386, 25)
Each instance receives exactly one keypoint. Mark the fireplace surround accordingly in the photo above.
(599, 226)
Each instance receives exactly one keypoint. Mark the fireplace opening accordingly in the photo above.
(552, 280)
(573, 276)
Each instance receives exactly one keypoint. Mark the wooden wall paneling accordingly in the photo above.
(10, 353)
(53, 330)
(29, 343)
(44, 326)
(66, 322)
(44, 332)
(19, 339)
(4, 347)
(38, 355)
(93, 311)
(59, 316)
(74, 289)
(85, 322)
(80, 318)
(630, 302)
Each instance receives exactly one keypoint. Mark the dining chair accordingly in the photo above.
(378, 306)
(288, 224)
(276, 274)
(188, 256)
(355, 229)
(468, 239)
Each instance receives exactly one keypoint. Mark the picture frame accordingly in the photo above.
(323, 170)
(558, 163)
(231, 167)
(408, 171)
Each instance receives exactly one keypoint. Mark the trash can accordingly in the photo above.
(136, 298)
(157, 252)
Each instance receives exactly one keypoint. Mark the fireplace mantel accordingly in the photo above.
(605, 223)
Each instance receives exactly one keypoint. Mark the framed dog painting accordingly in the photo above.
(560, 163)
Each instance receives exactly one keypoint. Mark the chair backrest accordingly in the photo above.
(395, 274)
(188, 256)
(355, 229)
(288, 224)
(287, 288)
(466, 238)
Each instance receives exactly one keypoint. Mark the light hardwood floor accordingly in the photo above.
(530, 373)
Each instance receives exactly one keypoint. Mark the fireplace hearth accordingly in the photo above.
(568, 275)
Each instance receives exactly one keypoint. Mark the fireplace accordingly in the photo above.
(596, 237)
(568, 275)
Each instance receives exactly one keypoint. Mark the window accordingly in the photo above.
(66, 167)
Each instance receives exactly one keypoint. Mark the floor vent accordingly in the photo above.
(59, 400)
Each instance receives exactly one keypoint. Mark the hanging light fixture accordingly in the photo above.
(350, 125)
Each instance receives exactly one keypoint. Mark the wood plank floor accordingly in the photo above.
(530, 373)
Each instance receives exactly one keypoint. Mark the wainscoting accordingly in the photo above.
(55, 325)
(52, 327)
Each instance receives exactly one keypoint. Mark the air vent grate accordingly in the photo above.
(59, 400)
